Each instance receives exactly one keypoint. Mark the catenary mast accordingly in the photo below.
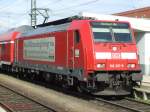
(35, 11)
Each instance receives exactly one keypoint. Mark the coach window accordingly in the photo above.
(77, 36)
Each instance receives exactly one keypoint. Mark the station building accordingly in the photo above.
(136, 13)
(142, 38)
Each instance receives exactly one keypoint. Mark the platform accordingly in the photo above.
(146, 80)
(144, 90)
(2, 110)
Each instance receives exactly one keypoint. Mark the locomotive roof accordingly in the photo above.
(58, 25)
(46, 29)
(65, 20)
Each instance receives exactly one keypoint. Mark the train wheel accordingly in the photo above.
(80, 89)
(65, 86)
(46, 77)
(24, 75)
(19, 75)
(32, 76)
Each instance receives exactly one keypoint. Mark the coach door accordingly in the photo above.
(77, 50)
(16, 51)
(70, 47)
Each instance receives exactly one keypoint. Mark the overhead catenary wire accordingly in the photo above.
(76, 6)
(17, 10)
(51, 3)
(71, 9)
(10, 5)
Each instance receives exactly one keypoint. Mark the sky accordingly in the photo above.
(14, 13)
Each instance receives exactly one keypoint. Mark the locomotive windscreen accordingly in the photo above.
(111, 32)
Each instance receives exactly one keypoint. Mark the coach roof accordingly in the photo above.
(8, 35)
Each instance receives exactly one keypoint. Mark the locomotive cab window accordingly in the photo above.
(111, 32)
(76, 36)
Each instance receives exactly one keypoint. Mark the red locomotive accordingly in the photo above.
(92, 55)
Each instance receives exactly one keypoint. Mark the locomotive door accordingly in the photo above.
(70, 47)
(77, 50)
(74, 49)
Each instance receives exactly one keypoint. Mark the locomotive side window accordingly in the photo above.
(111, 32)
(77, 36)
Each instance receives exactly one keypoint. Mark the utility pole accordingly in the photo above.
(38, 11)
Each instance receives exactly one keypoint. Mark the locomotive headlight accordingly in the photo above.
(102, 65)
(131, 65)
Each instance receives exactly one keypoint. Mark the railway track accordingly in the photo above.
(127, 104)
(123, 105)
(5, 108)
(13, 102)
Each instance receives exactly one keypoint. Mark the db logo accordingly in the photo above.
(115, 55)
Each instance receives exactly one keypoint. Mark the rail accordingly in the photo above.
(11, 101)
(131, 105)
